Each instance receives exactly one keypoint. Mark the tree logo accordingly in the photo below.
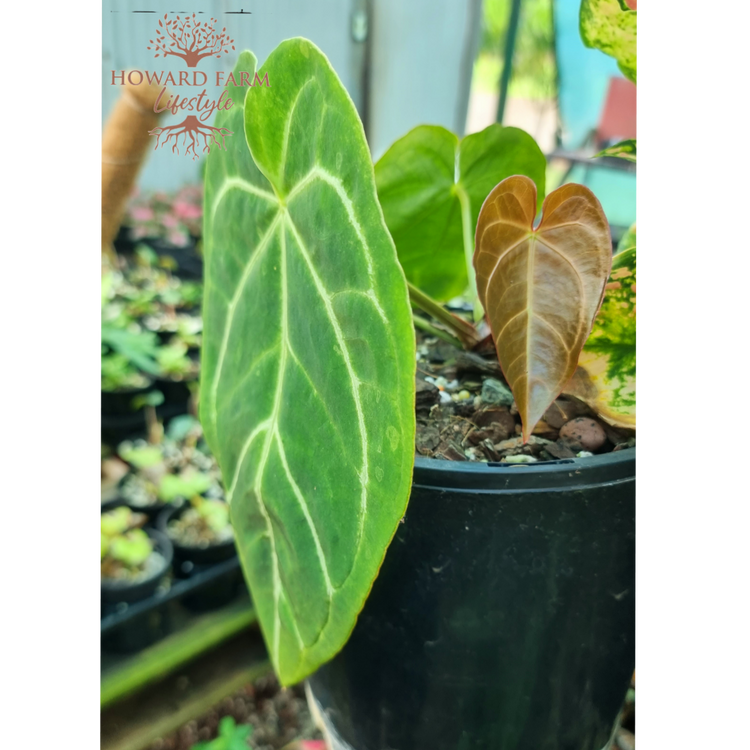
(190, 39)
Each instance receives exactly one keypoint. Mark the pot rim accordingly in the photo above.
(565, 474)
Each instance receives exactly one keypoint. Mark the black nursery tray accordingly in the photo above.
(143, 641)
(118, 616)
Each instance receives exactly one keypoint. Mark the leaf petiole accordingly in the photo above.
(427, 327)
(466, 332)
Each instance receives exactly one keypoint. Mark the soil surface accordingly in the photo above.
(465, 412)
(192, 529)
(279, 716)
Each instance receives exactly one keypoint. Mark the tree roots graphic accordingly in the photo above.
(193, 133)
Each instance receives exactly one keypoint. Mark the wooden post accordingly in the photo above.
(125, 141)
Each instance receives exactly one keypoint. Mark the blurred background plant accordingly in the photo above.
(534, 59)
(126, 548)
(151, 323)
(173, 217)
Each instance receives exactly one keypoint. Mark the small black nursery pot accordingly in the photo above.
(149, 627)
(189, 560)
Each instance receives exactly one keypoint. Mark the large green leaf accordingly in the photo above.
(308, 357)
(605, 377)
(610, 26)
(431, 187)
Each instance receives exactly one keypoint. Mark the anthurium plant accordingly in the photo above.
(314, 259)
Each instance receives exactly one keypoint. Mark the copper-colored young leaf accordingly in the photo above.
(541, 287)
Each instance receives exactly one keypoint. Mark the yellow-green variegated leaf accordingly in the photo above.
(309, 359)
(431, 186)
(605, 378)
(623, 150)
(610, 26)
(541, 287)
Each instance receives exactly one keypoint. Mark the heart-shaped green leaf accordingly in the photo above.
(309, 355)
(431, 187)
(605, 378)
(541, 287)
(609, 25)
(623, 150)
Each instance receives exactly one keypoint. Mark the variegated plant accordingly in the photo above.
(605, 378)
(611, 26)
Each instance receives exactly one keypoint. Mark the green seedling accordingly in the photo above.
(124, 546)
(185, 485)
(231, 737)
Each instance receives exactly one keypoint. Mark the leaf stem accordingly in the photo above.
(439, 332)
(468, 238)
(465, 331)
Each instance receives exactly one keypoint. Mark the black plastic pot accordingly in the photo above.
(176, 392)
(189, 262)
(115, 429)
(503, 617)
(149, 627)
(120, 403)
(193, 561)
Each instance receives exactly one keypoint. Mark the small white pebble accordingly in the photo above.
(584, 454)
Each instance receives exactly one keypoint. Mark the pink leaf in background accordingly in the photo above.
(186, 210)
(142, 213)
(177, 238)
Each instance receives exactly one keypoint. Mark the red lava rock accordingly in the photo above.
(586, 431)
